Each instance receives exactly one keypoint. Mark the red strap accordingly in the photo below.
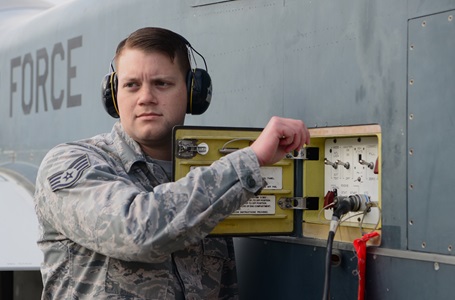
(360, 246)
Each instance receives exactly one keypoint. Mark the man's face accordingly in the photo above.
(151, 95)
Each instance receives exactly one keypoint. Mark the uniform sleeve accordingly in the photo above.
(81, 197)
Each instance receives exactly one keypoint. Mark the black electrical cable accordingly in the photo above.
(328, 265)
(342, 207)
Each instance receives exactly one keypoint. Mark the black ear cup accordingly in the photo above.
(109, 94)
(199, 87)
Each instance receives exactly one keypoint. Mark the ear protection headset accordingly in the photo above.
(198, 86)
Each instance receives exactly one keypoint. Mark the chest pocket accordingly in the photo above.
(148, 175)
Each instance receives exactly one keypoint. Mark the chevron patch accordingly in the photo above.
(67, 178)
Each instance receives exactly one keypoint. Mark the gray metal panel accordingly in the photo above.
(270, 270)
(431, 134)
(391, 278)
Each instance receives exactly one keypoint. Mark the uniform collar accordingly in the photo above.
(128, 150)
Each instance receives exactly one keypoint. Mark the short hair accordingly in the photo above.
(154, 39)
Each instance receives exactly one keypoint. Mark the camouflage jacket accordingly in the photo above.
(111, 227)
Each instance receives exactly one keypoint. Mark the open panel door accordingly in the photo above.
(273, 211)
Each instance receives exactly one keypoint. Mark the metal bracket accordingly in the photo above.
(188, 148)
(309, 203)
(306, 153)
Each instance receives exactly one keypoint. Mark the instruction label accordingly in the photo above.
(259, 205)
(273, 176)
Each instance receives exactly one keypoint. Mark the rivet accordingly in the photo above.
(411, 222)
(411, 82)
(424, 23)
(411, 116)
(411, 47)
(411, 186)
(436, 266)
(411, 151)
(449, 248)
(450, 18)
(424, 244)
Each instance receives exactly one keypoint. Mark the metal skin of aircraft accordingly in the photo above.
(329, 63)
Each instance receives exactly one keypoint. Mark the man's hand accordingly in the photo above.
(278, 138)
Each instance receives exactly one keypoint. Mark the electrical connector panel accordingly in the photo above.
(350, 164)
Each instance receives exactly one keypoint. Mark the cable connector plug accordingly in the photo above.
(356, 202)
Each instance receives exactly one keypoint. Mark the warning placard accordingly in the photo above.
(259, 205)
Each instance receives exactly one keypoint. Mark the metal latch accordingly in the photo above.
(309, 203)
(306, 153)
(188, 148)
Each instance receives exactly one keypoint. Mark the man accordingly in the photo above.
(112, 225)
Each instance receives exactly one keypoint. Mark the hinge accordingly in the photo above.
(309, 203)
(306, 153)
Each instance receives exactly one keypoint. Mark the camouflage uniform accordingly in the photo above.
(112, 227)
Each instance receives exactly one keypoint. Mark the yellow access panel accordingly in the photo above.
(269, 213)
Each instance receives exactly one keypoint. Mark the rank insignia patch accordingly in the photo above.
(67, 178)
